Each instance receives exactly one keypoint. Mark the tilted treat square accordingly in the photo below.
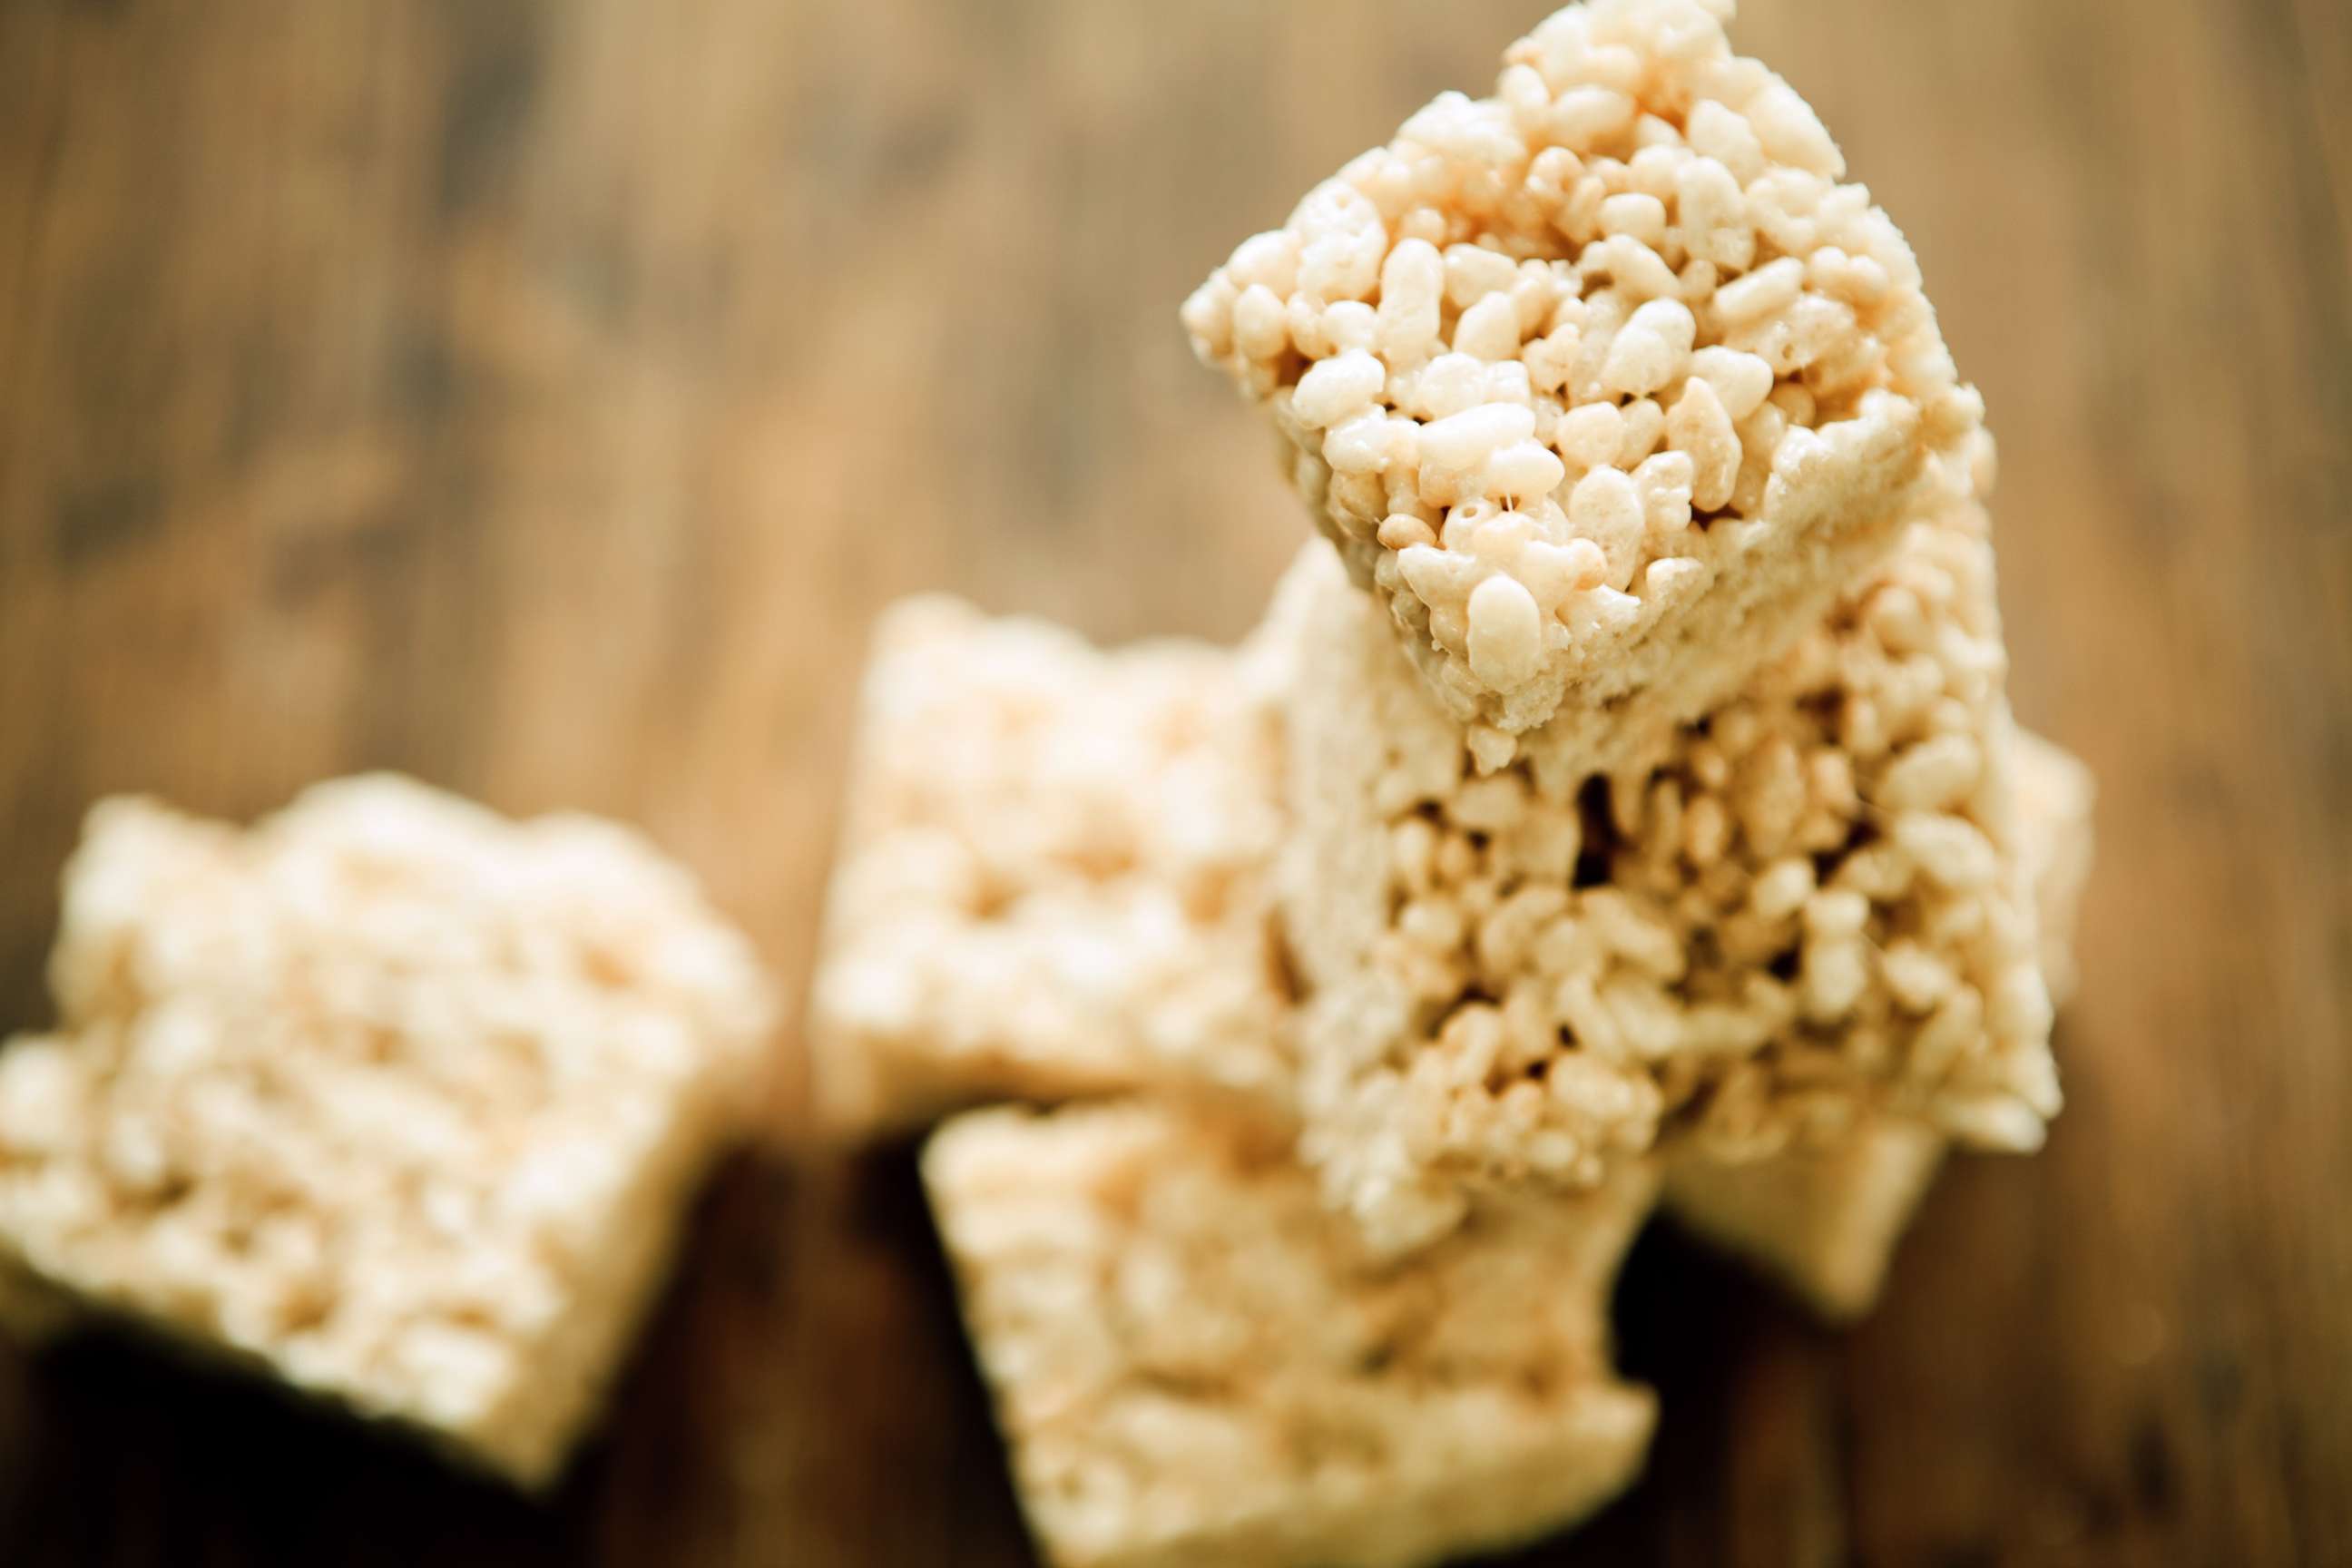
(1052, 879)
(389, 1098)
(1603, 383)
(1825, 1221)
(1811, 906)
(1195, 1362)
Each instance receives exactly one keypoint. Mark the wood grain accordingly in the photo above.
(542, 399)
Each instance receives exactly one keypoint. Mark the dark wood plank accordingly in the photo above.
(541, 397)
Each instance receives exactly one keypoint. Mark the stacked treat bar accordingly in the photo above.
(1621, 799)
(1196, 1359)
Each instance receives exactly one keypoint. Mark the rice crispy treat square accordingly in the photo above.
(1810, 909)
(1051, 881)
(1604, 384)
(388, 1098)
(1826, 1221)
(1195, 1362)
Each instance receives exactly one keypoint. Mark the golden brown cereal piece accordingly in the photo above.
(1194, 1362)
(1053, 880)
(1806, 908)
(1826, 1221)
(1603, 383)
(388, 1098)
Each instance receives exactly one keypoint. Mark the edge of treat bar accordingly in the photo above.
(2057, 795)
(1823, 1223)
(1826, 1223)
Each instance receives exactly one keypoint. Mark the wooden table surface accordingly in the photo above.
(543, 397)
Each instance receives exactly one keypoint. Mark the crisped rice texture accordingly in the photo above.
(1825, 1221)
(1195, 1362)
(1811, 907)
(1051, 881)
(389, 1098)
(1604, 384)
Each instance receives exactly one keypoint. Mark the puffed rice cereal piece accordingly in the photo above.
(388, 1098)
(1605, 384)
(1195, 1362)
(1811, 907)
(1052, 878)
(1825, 1221)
